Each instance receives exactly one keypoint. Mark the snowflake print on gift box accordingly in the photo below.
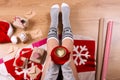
(83, 52)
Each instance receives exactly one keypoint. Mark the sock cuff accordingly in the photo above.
(52, 38)
(68, 38)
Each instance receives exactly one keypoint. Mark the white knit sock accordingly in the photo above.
(67, 33)
(54, 12)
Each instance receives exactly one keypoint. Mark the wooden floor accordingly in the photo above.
(84, 21)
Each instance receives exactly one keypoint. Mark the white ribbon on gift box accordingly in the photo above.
(24, 71)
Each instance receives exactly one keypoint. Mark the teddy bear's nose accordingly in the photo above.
(22, 21)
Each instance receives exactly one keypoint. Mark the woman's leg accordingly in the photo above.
(68, 69)
(51, 70)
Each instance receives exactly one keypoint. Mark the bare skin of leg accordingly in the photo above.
(51, 43)
(68, 43)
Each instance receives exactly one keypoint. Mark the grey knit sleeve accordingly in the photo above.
(67, 71)
(52, 72)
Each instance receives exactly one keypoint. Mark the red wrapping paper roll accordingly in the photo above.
(60, 55)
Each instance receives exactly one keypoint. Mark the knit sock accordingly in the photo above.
(67, 33)
(54, 22)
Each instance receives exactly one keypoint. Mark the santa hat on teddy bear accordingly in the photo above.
(6, 31)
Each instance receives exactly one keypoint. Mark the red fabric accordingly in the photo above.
(4, 26)
(11, 69)
(90, 50)
(26, 53)
(19, 62)
(59, 60)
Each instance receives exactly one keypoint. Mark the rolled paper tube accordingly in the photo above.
(100, 48)
(107, 49)
(60, 55)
